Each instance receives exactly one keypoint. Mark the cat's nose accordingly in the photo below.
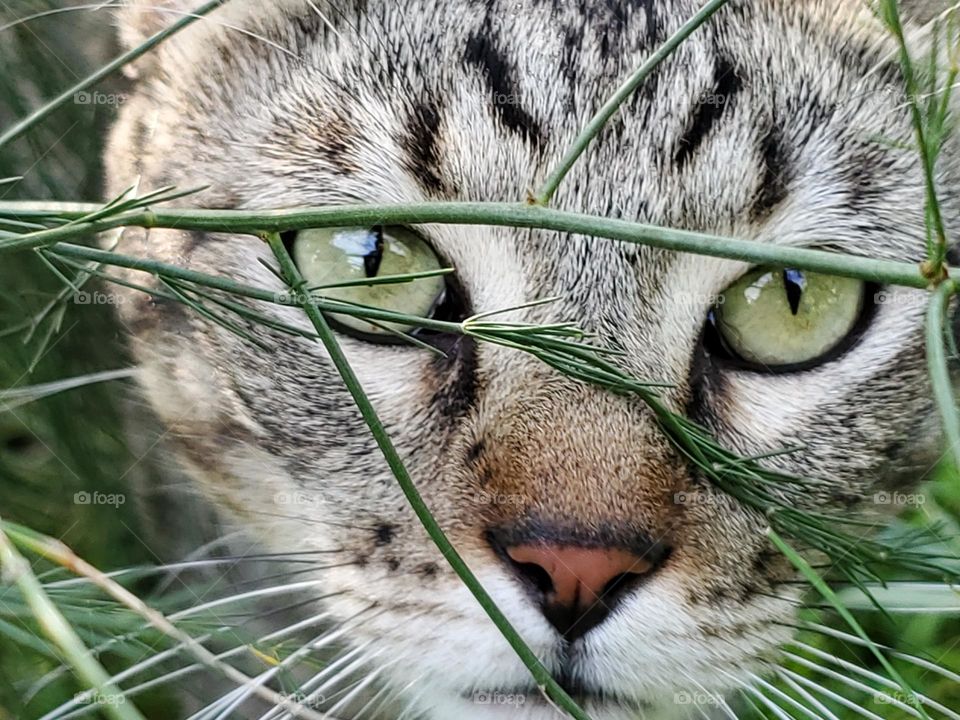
(578, 586)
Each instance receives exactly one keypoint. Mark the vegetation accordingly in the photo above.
(850, 660)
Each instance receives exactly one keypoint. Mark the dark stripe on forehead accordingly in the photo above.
(483, 54)
(710, 109)
(336, 140)
(421, 145)
(652, 19)
(776, 173)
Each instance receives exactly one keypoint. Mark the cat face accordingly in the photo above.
(632, 579)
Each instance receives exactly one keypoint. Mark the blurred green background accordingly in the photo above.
(53, 448)
(68, 443)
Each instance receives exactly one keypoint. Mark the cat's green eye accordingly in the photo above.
(331, 256)
(779, 319)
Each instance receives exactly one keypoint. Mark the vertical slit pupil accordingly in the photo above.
(372, 260)
(794, 283)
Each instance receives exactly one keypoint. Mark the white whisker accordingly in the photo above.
(55, 11)
(885, 681)
(326, 20)
(850, 682)
(786, 698)
(412, 703)
(343, 665)
(228, 26)
(826, 692)
(238, 696)
(242, 693)
(359, 687)
(806, 695)
(261, 592)
(180, 672)
(389, 694)
(148, 570)
(855, 640)
(723, 702)
(747, 688)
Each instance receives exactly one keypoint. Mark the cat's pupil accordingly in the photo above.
(794, 283)
(372, 260)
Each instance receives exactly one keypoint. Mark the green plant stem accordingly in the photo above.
(559, 346)
(109, 697)
(467, 213)
(738, 477)
(43, 112)
(939, 369)
(153, 267)
(592, 129)
(540, 673)
(928, 155)
(830, 596)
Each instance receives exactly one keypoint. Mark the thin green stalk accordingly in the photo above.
(234, 307)
(43, 112)
(934, 267)
(496, 214)
(939, 369)
(576, 358)
(596, 123)
(830, 596)
(110, 698)
(205, 312)
(539, 672)
(233, 287)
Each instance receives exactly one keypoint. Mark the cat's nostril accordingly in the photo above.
(577, 587)
(536, 575)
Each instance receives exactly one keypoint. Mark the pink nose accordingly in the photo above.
(578, 585)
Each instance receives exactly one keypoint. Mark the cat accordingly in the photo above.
(643, 589)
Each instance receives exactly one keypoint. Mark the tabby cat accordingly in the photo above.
(641, 587)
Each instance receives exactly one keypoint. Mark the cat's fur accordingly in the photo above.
(309, 102)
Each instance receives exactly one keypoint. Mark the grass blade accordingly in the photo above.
(596, 123)
(43, 112)
(17, 571)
